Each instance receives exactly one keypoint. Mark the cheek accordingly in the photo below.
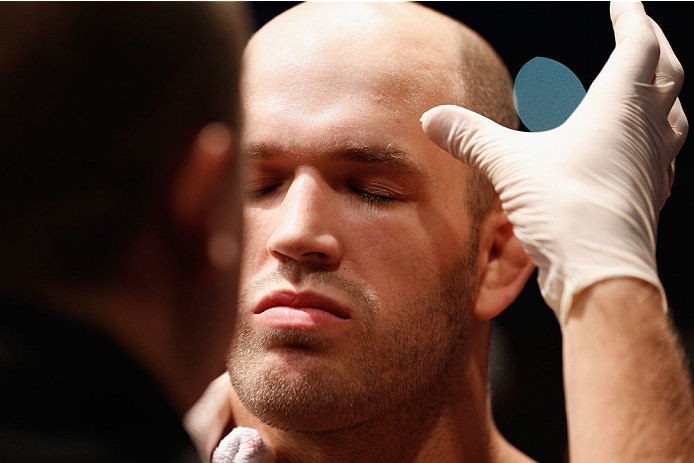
(389, 252)
(414, 235)
(399, 255)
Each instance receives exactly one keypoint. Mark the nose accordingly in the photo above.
(306, 226)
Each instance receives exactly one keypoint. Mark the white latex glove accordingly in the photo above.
(584, 198)
(243, 445)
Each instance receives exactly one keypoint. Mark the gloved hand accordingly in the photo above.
(584, 198)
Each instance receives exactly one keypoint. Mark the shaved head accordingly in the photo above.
(418, 49)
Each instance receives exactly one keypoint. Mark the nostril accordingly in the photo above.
(315, 256)
(278, 255)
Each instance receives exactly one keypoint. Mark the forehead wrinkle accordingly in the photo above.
(389, 156)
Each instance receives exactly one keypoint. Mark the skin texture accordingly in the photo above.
(347, 198)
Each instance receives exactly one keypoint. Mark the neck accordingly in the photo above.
(453, 424)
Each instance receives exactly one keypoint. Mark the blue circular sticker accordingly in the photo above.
(546, 93)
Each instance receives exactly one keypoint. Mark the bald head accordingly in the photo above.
(418, 51)
(403, 57)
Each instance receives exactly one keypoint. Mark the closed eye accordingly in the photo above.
(258, 193)
(371, 198)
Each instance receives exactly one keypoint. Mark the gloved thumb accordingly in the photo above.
(477, 141)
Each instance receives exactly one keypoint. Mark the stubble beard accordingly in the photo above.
(407, 366)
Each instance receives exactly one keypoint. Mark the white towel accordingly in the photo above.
(243, 445)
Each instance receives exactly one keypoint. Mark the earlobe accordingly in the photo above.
(503, 266)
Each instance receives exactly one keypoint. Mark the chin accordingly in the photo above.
(310, 397)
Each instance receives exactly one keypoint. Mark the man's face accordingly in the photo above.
(359, 265)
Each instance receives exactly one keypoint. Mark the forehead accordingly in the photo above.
(323, 105)
(361, 81)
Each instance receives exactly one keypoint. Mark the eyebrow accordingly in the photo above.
(389, 156)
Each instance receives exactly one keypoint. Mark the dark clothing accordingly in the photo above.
(68, 394)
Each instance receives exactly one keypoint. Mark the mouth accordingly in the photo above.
(307, 302)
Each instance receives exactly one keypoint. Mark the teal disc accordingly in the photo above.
(546, 93)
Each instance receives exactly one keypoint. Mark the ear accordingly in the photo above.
(503, 266)
(200, 178)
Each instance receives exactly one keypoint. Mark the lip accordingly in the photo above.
(302, 301)
(300, 311)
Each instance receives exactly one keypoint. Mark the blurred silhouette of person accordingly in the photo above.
(121, 223)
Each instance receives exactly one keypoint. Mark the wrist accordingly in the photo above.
(563, 290)
(617, 301)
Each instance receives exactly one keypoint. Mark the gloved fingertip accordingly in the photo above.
(619, 8)
(438, 122)
(435, 112)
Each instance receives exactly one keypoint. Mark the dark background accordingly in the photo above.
(526, 343)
